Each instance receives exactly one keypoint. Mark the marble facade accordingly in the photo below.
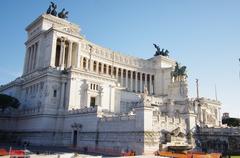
(76, 93)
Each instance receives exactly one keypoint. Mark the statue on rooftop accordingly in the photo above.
(62, 14)
(160, 52)
(52, 10)
(54, 7)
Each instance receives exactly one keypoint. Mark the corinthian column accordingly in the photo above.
(69, 62)
(126, 79)
(131, 81)
(62, 54)
(136, 81)
(122, 77)
(150, 84)
(140, 82)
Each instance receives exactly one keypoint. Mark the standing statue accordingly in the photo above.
(160, 52)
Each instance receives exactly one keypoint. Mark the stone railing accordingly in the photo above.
(220, 131)
(83, 110)
(23, 112)
(118, 118)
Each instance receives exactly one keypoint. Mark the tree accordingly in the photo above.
(232, 122)
(7, 101)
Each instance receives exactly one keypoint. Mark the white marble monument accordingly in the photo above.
(76, 93)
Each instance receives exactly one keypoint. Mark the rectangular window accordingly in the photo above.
(55, 93)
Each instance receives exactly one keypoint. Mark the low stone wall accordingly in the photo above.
(226, 140)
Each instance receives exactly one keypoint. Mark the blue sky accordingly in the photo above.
(203, 35)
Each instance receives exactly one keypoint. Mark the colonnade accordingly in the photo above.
(31, 58)
(133, 80)
(66, 53)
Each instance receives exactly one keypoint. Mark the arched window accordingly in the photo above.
(109, 70)
(119, 72)
(129, 74)
(114, 71)
(99, 67)
(104, 68)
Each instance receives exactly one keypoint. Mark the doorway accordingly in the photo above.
(74, 138)
(93, 102)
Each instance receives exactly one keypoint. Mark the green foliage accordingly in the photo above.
(7, 101)
(232, 122)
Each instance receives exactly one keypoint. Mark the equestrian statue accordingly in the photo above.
(179, 73)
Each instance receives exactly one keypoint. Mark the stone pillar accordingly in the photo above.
(145, 79)
(79, 61)
(62, 54)
(136, 81)
(121, 77)
(107, 69)
(53, 50)
(140, 82)
(69, 62)
(112, 69)
(31, 59)
(131, 81)
(62, 95)
(102, 67)
(97, 66)
(27, 59)
(150, 84)
(117, 74)
(87, 64)
(126, 80)
(35, 56)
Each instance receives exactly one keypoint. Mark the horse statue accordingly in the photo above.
(160, 52)
(52, 9)
(179, 72)
(62, 14)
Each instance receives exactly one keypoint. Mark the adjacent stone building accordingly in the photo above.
(76, 93)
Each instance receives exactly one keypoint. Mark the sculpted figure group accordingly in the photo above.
(160, 52)
(52, 10)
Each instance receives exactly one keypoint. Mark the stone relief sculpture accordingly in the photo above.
(160, 52)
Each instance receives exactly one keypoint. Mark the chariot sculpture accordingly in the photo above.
(162, 52)
(52, 10)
